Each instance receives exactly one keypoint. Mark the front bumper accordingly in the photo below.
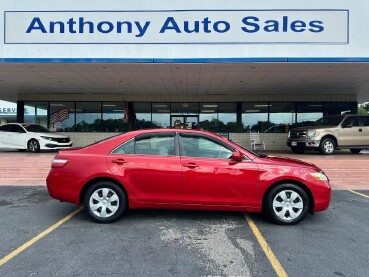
(304, 144)
(50, 145)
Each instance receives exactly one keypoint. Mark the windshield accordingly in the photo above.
(36, 129)
(333, 120)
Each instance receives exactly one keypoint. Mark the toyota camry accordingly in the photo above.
(185, 169)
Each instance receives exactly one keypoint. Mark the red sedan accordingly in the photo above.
(185, 169)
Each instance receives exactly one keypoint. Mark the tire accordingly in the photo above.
(327, 146)
(33, 146)
(105, 202)
(287, 204)
(297, 150)
(355, 151)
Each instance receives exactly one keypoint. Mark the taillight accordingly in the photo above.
(57, 163)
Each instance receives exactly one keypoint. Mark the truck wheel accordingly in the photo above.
(297, 150)
(327, 146)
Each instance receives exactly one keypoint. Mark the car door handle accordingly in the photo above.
(190, 165)
(119, 161)
(360, 130)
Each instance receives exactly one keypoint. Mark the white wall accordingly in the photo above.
(299, 45)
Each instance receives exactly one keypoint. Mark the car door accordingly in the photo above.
(365, 129)
(210, 177)
(149, 166)
(351, 133)
(5, 136)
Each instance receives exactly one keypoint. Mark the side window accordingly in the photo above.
(198, 146)
(155, 145)
(16, 129)
(148, 145)
(351, 121)
(126, 148)
(5, 128)
(365, 120)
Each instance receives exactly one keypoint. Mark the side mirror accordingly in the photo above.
(237, 156)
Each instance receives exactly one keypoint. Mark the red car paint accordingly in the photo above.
(178, 181)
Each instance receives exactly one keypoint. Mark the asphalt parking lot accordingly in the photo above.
(179, 243)
(41, 236)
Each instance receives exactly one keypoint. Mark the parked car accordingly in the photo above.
(330, 133)
(31, 137)
(184, 169)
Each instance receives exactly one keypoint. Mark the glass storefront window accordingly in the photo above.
(308, 113)
(143, 115)
(255, 117)
(337, 108)
(62, 116)
(208, 117)
(227, 116)
(88, 116)
(160, 115)
(282, 117)
(113, 117)
(36, 113)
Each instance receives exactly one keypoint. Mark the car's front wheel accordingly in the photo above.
(327, 146)
(105, 202)
(33, 146)
(287, 204)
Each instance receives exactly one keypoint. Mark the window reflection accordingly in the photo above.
(62, 116)
(36, 113)
(88, 117)
(113, 117)
(143, 115)
(255, 117)
(308, 113)
(282, 116)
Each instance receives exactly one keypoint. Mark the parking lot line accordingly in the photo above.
(358, 193)
(266, 248)
(38, 237)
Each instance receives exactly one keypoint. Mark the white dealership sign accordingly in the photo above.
(177, 27)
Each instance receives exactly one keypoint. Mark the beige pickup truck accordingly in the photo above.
(329, 133)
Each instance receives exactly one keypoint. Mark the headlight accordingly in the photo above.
(48, 138)
(319, 176)
(312, 133)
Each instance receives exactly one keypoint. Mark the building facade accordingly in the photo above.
(93, 68)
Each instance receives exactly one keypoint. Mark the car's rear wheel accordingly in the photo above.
(287, 204)
(327, 146)
(33, 146)
(297, 150)
(355, 151)
(105, 202)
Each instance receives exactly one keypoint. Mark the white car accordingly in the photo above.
(31, 137)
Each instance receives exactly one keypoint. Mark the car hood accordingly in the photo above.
(51, 135)
(282, 161)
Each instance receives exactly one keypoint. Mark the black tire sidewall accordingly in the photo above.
(321, 146)
(110, 185)
(269, 203)
(37, 143)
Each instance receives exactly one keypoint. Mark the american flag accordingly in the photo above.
(59, 116)
(126, 113)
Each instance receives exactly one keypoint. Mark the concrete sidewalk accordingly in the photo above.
(345, 170)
